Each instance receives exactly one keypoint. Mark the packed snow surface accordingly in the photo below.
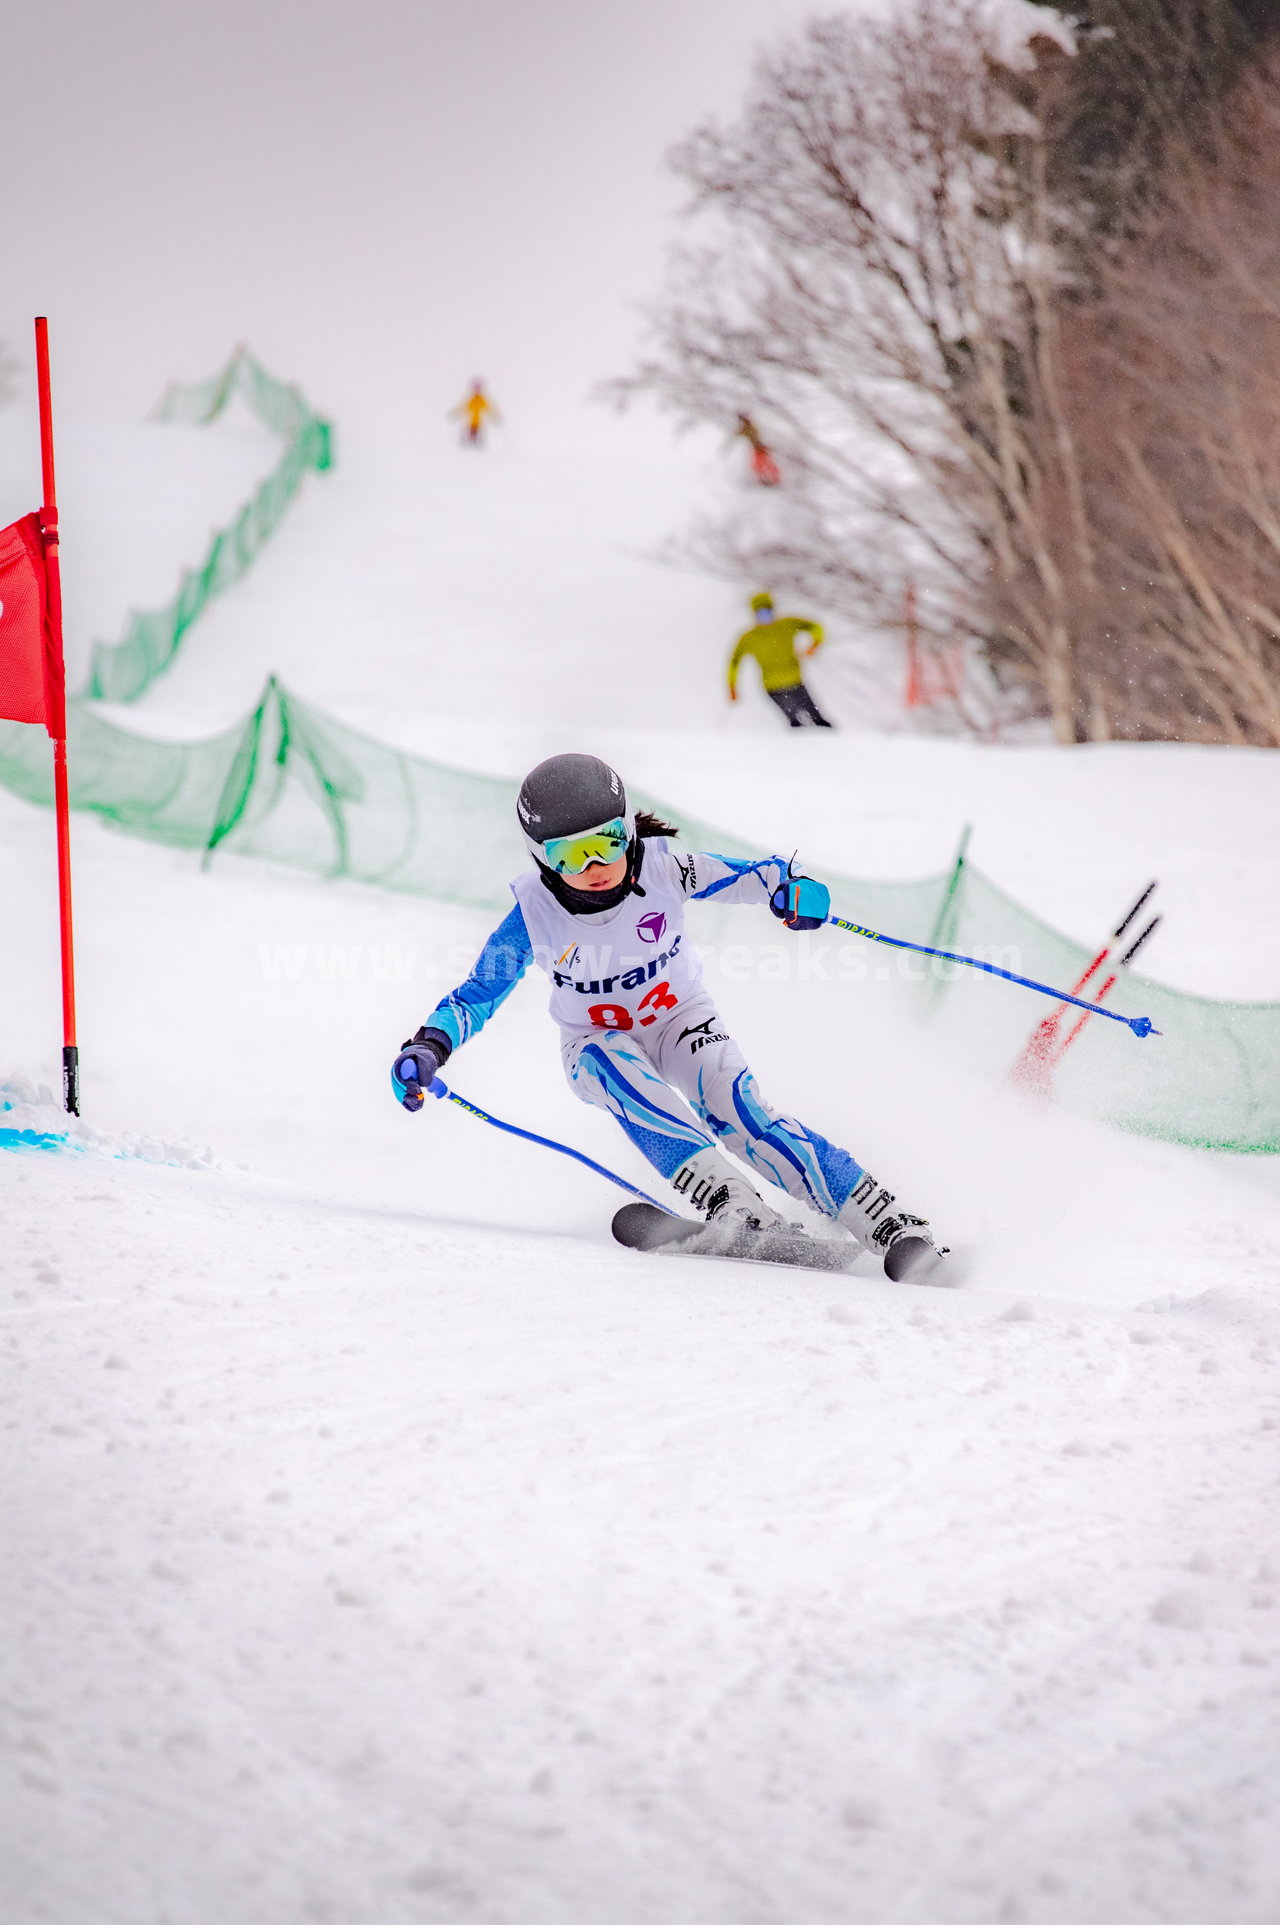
(385, 1546)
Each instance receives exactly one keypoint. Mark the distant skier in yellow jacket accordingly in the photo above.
(772, 641)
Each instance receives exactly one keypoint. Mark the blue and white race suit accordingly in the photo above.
(638, 1025)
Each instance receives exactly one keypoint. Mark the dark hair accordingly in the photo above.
(648, 824)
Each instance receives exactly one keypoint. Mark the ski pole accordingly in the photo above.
(1043, 1044)
(437, 1088)
(1140, 1025)
(1061, 1048)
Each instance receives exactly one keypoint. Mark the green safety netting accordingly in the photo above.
(122, 671)
(294, 786)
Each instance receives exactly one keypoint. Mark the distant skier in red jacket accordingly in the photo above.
(763, 466)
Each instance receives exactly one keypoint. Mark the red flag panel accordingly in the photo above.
(23, 696)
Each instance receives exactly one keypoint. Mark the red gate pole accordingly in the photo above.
(915, 694)
(55, 684)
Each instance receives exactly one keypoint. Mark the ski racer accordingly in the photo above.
(601, 911)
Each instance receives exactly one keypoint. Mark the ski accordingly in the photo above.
(643, 1226)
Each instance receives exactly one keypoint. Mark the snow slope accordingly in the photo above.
(373, 1566)
(384, 1545)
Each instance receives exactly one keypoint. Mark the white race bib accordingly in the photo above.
(622, 969)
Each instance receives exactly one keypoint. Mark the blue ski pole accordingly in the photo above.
(437, 1088)
(1140, 1025)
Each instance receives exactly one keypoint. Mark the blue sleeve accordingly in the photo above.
(499, 967)
(734, 879)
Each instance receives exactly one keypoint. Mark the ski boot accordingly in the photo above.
(725, 1199)
(905, 1242)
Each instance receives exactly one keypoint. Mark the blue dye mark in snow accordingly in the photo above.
(34, 1140)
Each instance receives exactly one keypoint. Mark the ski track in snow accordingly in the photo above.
(384, 1546)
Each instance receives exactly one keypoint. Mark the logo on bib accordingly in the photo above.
(650, 928)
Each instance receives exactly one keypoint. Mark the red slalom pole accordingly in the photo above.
(1045, 1048)
(915, 682)
(56, 721)
(1105, 991)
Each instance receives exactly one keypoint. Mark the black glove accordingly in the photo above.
(801, 902)
(414, 1070)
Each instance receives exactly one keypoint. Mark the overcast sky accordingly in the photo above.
(384, 197)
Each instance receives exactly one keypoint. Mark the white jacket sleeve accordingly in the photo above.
(705, 876)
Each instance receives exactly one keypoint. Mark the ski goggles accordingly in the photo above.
(570, 855)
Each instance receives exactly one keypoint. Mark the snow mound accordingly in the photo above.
(1241, 1306)
(33, 1119)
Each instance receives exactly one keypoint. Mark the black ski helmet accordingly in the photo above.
(567, 794)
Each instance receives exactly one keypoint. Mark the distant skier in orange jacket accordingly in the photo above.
(474, 412)
(763, 466)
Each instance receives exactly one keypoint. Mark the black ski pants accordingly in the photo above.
(798, 706)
